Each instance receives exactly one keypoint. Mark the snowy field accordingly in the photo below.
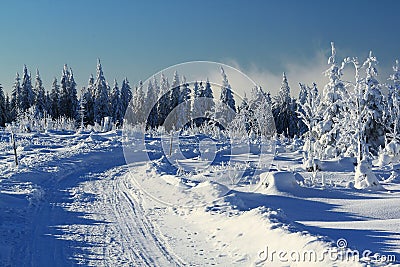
(73, 200)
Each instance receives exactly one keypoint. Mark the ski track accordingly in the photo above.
(90, 215)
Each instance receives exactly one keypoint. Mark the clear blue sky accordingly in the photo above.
(138, 38)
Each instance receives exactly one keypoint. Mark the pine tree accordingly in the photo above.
(87, 106)
(101, 101)
(27, 95)
(48, 104)
(73, 95)
(68, 102)
(373, 99)
(226, 92)
(175, 91)
(284, 111)
(209, 103)
(197, 113)
(184, 117)
(40, 96)
(3, 110)
(139, 104)
(393, 103)
(116, 104)
(55, 99)
(174, 101)
(164, 100)
(8, 109)
(16, 99)
(151, 106)
(126, 95)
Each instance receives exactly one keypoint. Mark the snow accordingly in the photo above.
(279, 182)
(74, 200)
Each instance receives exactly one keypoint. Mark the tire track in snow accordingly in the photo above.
(131, 235)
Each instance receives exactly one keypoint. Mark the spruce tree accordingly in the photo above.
(184, 104)
(373, 100)
(16, 98)
(126, 95)
(393, 103)
(55, 99)
(27, 94)
(164, 100)
(8, 109)
(197, 113)
(226, 92)
(284, 111)
(101, 101)
(3, 110)
(73, 94)
(116, 104)
(68, 101)
(40, 96)
(151, 106)
(139, 105)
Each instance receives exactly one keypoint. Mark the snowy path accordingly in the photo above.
(85, 214)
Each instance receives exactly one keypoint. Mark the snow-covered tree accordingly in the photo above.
(331, 109)
(175, 91)
(16, 98)
(308, 113)
(87, 104)
(174, 101)
(196, 112)
(284, 111)
(164, 100)
(393, 102)
(68, 101)
(151, 106)
(139, 105)
(364, 177)
(27, 94)
(101, 101)
(263, 124)
(226, 92)
(208, 93)
(3, 110)
(225, 108)
(8, 109)
(373, 100)
(40, 96)
(126, 95)
(116, 104)
(184, 107)
(55, 99)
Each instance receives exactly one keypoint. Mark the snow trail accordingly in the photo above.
(85, 214)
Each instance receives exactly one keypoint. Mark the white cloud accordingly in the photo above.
(296, 72)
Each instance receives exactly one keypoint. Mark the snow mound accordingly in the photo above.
(365, 178)
(280, 181)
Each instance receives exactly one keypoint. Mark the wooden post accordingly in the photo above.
(15, 148)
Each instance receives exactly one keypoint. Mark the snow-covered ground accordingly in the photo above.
(73, 200)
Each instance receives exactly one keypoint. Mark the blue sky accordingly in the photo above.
(139, 38)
